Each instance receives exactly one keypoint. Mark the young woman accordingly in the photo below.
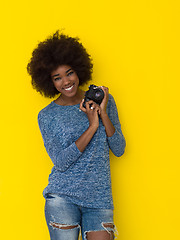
(77, 139)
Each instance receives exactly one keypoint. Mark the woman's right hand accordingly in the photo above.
(92, 110)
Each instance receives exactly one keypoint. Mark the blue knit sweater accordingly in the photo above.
(84, 178)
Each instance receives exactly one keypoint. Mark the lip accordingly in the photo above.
(69, 88)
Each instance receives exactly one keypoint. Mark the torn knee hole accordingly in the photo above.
(63, 226)
(108, 225)
(106, 234)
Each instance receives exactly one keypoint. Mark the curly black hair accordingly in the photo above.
(58, 49)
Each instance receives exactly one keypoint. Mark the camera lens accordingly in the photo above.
(98, 94)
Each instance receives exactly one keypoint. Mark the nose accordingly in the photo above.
(66, 81)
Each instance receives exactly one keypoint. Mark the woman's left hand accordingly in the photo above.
(103, 105)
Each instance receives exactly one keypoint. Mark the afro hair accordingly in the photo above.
(58, 49)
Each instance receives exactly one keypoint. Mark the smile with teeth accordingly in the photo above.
(69, 88)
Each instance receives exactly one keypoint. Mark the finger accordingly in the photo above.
(89, 105)
(90, 102)
(106, 92)
(104, 88)
(82, 109)
(97, 109)
(94, 106)
(81, 106)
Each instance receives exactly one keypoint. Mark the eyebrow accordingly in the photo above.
(58, 73)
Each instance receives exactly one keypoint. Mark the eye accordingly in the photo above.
(58, 78)
(70, 73)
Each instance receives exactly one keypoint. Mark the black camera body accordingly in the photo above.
(94, 93)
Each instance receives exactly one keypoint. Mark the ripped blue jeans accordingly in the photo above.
(65, 219)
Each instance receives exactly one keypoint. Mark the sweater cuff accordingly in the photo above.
(76, 151)
(117, 143)
(113, 138)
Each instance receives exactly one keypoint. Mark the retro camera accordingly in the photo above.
(94, 93)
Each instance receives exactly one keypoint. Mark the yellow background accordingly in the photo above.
(135, 50)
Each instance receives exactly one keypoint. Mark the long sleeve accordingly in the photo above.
(63, 155)
(117, 141)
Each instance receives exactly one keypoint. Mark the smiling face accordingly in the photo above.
(65, 80)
